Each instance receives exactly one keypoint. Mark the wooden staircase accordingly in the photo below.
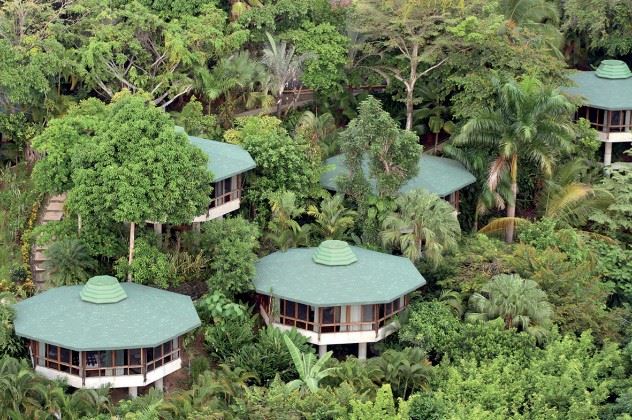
(53, 211)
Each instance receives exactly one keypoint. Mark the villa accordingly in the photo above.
(335, 293)
(228, 163)
(442, 176)
(606, 96)
(105, 333)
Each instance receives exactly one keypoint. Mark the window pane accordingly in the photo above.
(91, 358)
(134, 355)
(396, 305)
(52, 351)
(65, 355)
(302, 312)
(367, 313)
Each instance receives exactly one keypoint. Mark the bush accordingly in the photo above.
(226, 337)
(269, 356)
(150, 266)
(230, 246)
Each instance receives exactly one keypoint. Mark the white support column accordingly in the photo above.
(133, 391)
(322, 349)
(159, 384)
(158, 228)
(607, 156)
(362, 351)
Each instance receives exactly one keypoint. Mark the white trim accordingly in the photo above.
(623, 137)
(125, 381)
(219, 211)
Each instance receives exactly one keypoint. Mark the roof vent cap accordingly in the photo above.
(334, 253)
(102, 289)
(613, 69)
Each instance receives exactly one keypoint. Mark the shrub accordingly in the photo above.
(150, 266)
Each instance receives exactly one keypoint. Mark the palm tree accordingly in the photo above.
(529, 122)
(319, 131)
(283, 65)
(519, 302)
(283, 231)
(69, 262)
(528, 18)
(333, 219)
(407, 371)
(423, 225)
(310, 370)
(238, 7)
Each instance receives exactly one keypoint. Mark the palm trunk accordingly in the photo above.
(511, 207)
(132, 231)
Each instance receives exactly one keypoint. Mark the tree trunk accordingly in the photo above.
(132, 231)
(511, 207)
(410, 107)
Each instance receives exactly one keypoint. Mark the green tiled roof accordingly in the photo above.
(374, 278)
(102, 289)
(334, 253)
(613, 69)
(146, 318)
(438, 175)
(610, 87)
(224, 159)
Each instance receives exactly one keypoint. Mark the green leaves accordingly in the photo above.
(310, 370)
(392, 154)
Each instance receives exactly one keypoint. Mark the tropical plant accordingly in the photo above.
(530, 122)
(533, 21)
(69, 262)
(383, 408)
(333, 219)
(283, 230)
(310, 370)
(423, 226)
(283, 66)
(319, 131)
(10, 344)
(406, 371)
(230, 245)
(519, 302)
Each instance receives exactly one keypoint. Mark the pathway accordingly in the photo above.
(53, 211)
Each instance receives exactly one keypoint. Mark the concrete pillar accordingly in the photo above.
(322, 349)
(607, 156)
(158, 228)
(133, 391)
(159, 385)
(362, 351)
(196, 227)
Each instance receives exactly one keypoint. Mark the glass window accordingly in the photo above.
(367, 313)
(52, 352)
(290, 309)
(65, 355)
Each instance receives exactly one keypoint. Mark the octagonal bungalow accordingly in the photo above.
(606, 96)
(442, 176)
(105, 333)
(336, 293)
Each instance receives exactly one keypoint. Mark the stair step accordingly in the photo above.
(55, 206)
(39, 269)
(58, 198)
(50, 216)
(39, 256)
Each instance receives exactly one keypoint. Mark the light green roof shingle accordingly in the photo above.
(224, 159)
(597, 92)
(438, 175)
(375, 278)
(146, 318)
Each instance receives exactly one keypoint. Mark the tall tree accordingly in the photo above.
(529, 122)
(133, 169)
(284, 66)
(392, 154)
(333, 219)
(407, 37)
(423, 225)
(137, 50)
